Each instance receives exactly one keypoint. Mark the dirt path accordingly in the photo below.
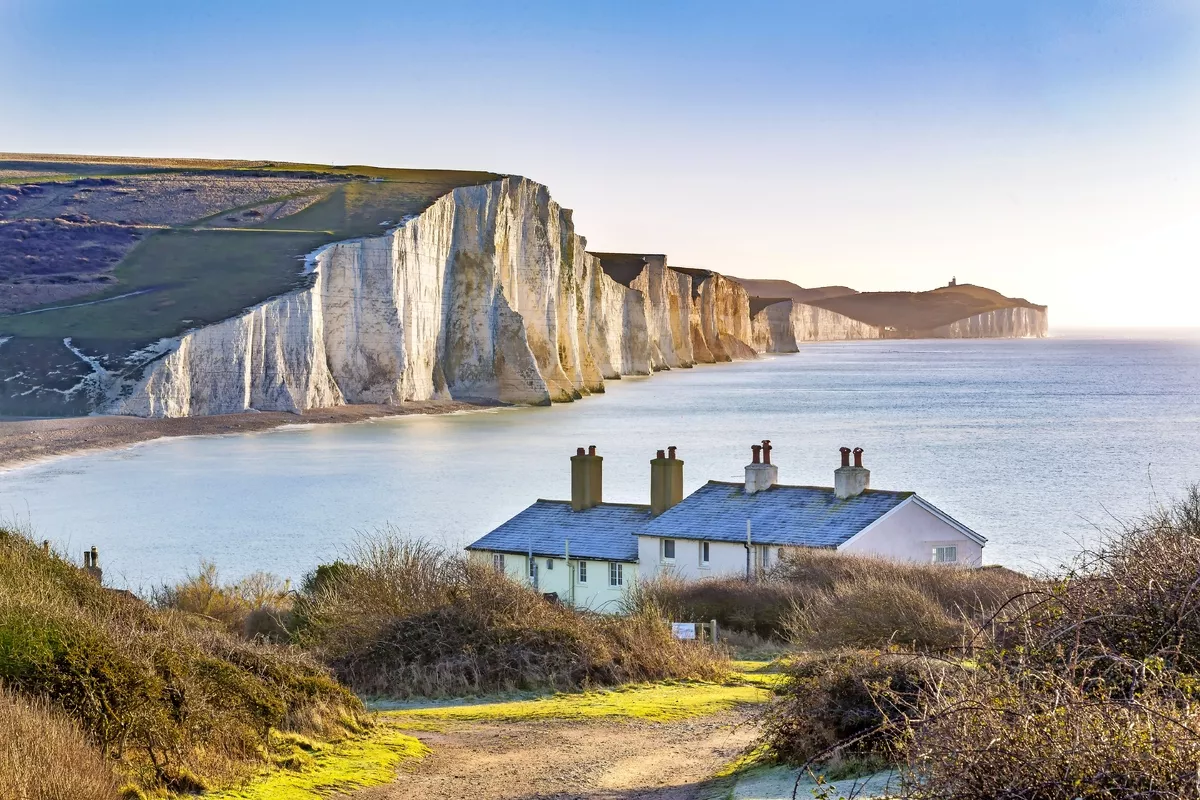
(562, 760)
(25, 441)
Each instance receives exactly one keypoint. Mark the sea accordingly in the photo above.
(1044, 446)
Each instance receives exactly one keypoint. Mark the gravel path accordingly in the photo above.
(560, 760)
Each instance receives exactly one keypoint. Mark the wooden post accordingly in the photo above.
(713, 630)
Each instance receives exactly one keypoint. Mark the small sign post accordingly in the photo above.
(684, 630)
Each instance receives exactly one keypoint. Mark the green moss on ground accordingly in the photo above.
(313, 770)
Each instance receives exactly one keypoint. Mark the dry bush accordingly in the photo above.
(1039, 735)
(824, 599)
(176, 700)
(402, 618)
(846, 704)
(875, 612)
(44, 756)
(257, 606)
(750, 607)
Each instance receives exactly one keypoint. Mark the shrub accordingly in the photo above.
(1039, 735)
(846, 704)
(815, 596)
(44, 756)
(173, 698)
(758, 608)
(875, 612)
(257, 606)
(403, 618)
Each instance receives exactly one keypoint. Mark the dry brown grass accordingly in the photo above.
(257, 606)
(401, 618)
(44, 756)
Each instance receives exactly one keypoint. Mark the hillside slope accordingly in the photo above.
(917, 313)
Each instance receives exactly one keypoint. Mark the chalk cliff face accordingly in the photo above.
(1013, 323)
(487, 295)
(780, 327)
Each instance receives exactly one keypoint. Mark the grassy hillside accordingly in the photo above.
(768, 288)
(169, 699)
(116, 253)
(921, 311)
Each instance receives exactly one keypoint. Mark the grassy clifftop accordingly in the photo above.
(116, 253)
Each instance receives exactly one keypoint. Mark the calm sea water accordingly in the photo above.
(1033, 443)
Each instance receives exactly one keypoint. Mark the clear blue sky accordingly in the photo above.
(1047, 149)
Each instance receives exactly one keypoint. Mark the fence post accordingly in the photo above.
(713, 631)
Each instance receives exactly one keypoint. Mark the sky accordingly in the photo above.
(1044, 148)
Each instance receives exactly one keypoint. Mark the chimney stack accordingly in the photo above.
(666, 481)
(762, 474)
(587, 479)
(851, 481)
(91, 564)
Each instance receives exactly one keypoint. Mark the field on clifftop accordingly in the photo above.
(116, 253)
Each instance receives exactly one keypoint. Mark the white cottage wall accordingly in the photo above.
(909, 533)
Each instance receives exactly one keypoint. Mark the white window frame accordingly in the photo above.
(705, 554)
(582, 571)
(616, 573)
(940, 551)
(670, 559)
(498, 562)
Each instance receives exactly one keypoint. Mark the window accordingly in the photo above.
(498, 561)
(945, 555)
(668, 549)
(765, 557)
(616, 574)
(549, 563)
(583, 572)
(704, 554)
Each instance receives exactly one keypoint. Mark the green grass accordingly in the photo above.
(317, 770)
(658, 702)
(204, 276)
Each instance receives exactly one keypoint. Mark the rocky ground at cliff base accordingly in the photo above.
(24, 441)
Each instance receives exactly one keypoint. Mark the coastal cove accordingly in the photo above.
(1033, 443)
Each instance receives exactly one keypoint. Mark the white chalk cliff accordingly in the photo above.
(1018, 322)
(489, 294)
(783, 325)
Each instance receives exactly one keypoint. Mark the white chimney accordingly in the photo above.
(851, 481)
(761, 473)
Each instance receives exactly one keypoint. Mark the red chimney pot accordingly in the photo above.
(756, 449)
(578, 451)
(671, 451)
(591, 450)
(845, 456)
(858, 451)
(661, 454)
(766, 445)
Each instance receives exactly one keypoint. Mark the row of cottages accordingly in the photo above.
(588, 553)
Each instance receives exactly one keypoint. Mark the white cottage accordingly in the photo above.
(740, 528)
(587, 552)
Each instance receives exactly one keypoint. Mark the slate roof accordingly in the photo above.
(808, 516)
(601, 533)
